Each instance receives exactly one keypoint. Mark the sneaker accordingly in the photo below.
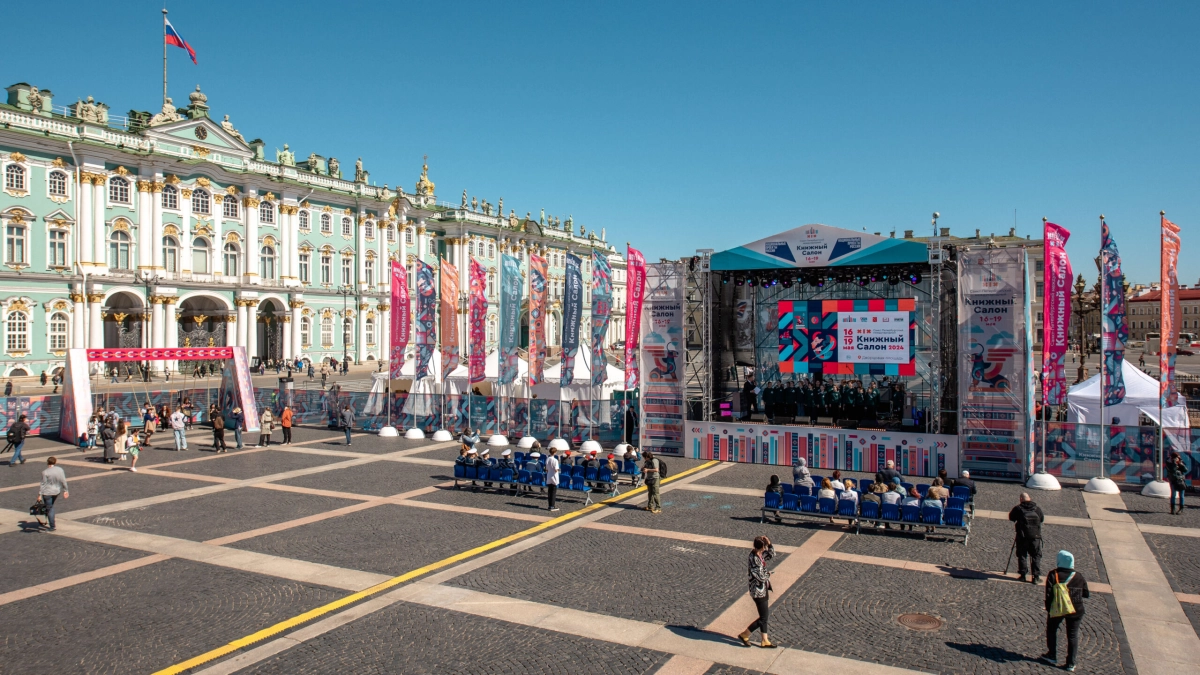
(1035, 580)
(554, 509)
(133, 469)
(1021, 578)
(1070, 667)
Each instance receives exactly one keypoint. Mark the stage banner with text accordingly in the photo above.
(635, 291)
(1056, 324)
(510, 318)
(476, 315)
(400, 318)
(448, 302)
(993, 346)
(572, 317)
(1114, 335)
(848, 337)
(537, 318)
(662, 392)
(1169, 309)
(602, 291)
(426, 318)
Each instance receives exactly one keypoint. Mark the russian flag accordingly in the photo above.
(171, 37)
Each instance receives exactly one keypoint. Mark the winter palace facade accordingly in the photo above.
(171, 229)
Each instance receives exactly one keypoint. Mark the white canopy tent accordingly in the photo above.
(458, 380)
(581, 385)
(1141, 397)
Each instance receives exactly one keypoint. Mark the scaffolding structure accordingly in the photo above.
(698, 371)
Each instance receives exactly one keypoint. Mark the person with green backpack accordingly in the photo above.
(1065, 591)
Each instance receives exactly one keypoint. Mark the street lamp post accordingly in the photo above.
(149, 280)
(345, 292)
(1079, 286)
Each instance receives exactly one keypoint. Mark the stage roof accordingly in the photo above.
(820, 246)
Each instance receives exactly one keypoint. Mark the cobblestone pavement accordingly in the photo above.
(408, 638)
(31, 471)
(643, 578)
(145, 619)
(1193, 615)
(1179, 558)
(525, 502)
(33, 558)
(1154, 511)
(381, 479)
(718, 515)
(257, 464)
(121, 486)
(847, 609)
(1004, 496)
(987, 550)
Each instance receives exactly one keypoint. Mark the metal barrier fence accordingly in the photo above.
(1074, 451)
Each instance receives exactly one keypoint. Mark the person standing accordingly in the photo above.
(285, 423)
(16, 435)
(1177, 477)
(108, 436)
(266, 425)
(347, 420)
(650, 471)
(1028, 518)
(552, 478)
(179, 427)
(1076, 590)
(54, 485)
(760, 590)
(218, 422)
(236, 418)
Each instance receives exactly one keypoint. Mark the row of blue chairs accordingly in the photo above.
(507, 479)
(629, 468)
(951, 519)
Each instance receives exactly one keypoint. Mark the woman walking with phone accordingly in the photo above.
(760, 590)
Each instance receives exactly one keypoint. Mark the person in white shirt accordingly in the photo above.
(836, 481)
(552, 478)
(178, 426)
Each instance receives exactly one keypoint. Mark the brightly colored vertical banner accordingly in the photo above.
(426, 318)
(537, 318)
(1056, 323)
(449, 318)
(400, 318)
(1115, 332)
(476, 313)
(662, 392)
(572, 316)
(1169, 301)
(510, 317)
(602, 291)
(635, 290)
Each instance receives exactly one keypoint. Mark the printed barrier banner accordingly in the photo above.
(992, 378)
(572, 317)
(426, 318)
(1169, 310)
(602, 291)
(449, 317)
(1056, 282)
(161, 354)
(1115, 332)
(635, 291)
(823, 448)
(662, 393)
(510, 317)
(848, 337)
(537, 318)
(400, 318)
(1073, 451)
(477, 311)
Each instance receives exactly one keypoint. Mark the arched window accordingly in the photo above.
(119, 247)
(14, 177)
(229, 207)
(347, 331)
(118, 190)
(266, 213)
(327, 331)
(304, 220)
(369, 273)
(16, 244)
(58, 332)
(56, 251)
(433, 249)
(201, 202)
(370, 328)
(231, 260)
(491, 250)
(347, 270)
(326, 223)
(369, 230)
(470, 248)
(58, 183)
(347, 227)
(200, 255)
(491, 330)
(170, 253)
(491, 277)
(16, 329)
(391, 233)
(266, 262)
(170, 197)
(408, 236)
(305, 331)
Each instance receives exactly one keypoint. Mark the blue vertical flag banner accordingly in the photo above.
(572, 316)
(426, 323)
(1115, 332)
(602, 290)
(510, 317)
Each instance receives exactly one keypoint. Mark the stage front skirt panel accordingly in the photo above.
(848, 337)
(868, 451)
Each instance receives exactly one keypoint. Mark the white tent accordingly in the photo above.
(458, 380)
(581, 384)
(1141, 396)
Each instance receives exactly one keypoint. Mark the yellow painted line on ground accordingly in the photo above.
(408, 576)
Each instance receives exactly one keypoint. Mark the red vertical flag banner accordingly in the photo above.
(1169, 308)
(448, 303)
(1056, 278)
(401, 318)
(477, 313)
(635, 292)
(537, 318)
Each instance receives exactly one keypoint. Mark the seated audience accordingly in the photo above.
(776, 487)
(826, 491)
(800, 474)
(890, 472)
(937, 490)
(965, 481)
(836, 481)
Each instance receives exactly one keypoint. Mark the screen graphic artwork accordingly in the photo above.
(848, 337)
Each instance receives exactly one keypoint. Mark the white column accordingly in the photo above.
(78, 320)
(171, 328)
(95, 321)
(384, 331)
(156, 226)
(251, 328)
(158, 334)
(287, 329)
(241, 324)
(420, 239)
(383, 270)
(250, 247)
(145, 230)
(297, 307)
(287, 243)
(360, 252)
(99, 199)
(185, 229)
(84, 202)
(217, 242)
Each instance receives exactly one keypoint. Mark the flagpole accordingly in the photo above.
(164, 11)
(1101, 483)
(1161, 373)
(1103, 435)
(1157, 488)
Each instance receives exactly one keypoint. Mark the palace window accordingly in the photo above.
(370, 328)
(56, 252)
(58, 183)
(119, 247)
(171, 254)
(266, 262)
(58, 332)
(304, 220)
(369, 230)
(327, 331)
(305, 331)
(266, 213)
(347, 227)
(231, 259)
(369, 273)
(348, 271)
(470, 248)
(229, 207)
(347, 332)
(14, 177)
(326, 269)
(305, 263)
(391, 234)
(491, 330)
(170, 197)
(491, 250)
(15, 244)
(408, 236)
(118, 190)
(491, 278)
(433, 249)
(201, 202)
(200, 254)
(326, 223)
(16, 329)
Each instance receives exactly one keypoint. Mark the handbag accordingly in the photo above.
(38, 508)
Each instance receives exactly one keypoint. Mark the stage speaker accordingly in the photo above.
(825, 420)
(758, 417)
(848, 424)
(785, 420)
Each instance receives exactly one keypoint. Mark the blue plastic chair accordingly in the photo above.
(870, 510)
(910, 514)
(537, 479)
(604, 476)
(787, 488)
(803, 490)
(922, 488)
(460, 472)
(791, 502)
(577, 485)
(524, 477)
(772, 500)
(956, 503)
(962, 492)
(847, 507)
(519, 458)
(865, 486)
(482, 472)
(954, 517)
(506, 475)
(808, 504)
(827, 506)
(889, 512)
(588, 474)
(576, 470)
(906, 486)
(931, 515)
(470, 472)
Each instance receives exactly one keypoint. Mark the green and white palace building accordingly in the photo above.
(171, 229)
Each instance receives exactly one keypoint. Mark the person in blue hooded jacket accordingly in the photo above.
(1077, 588)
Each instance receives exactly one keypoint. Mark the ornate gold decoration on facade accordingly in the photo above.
(16, 157)
(186, 192)
(145, 186)
(349, 211)
(232, 237)
(95, 297)
(120, 225)
(251, 202)
(60, 305)
(122, 171)
(203, 229)
(268, 240)
(363, 306)
(119, 317)
(170, 299)
(421, 230)
(200, 151)
(385, 308)
(270, 196)
(371, 314)
(326, 313)
(327, 209)
(172, 179)
(425, 186)
(230, 318)
(58, 162)
(203, 181)
(77, 297)
(170, 228)
(296, 304)
(231, 190)
(286, 318)
(157, 186)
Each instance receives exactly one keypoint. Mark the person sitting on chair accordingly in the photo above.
(776, 487)
(836, 480)
(965, 481)
(468, 439)
(533, 466)
(800, 474)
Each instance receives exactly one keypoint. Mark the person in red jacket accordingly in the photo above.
(285, 422)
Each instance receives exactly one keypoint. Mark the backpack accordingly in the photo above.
(662, 469)
(10, 435)
(1060, 598)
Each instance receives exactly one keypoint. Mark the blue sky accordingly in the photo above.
(685, 125)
